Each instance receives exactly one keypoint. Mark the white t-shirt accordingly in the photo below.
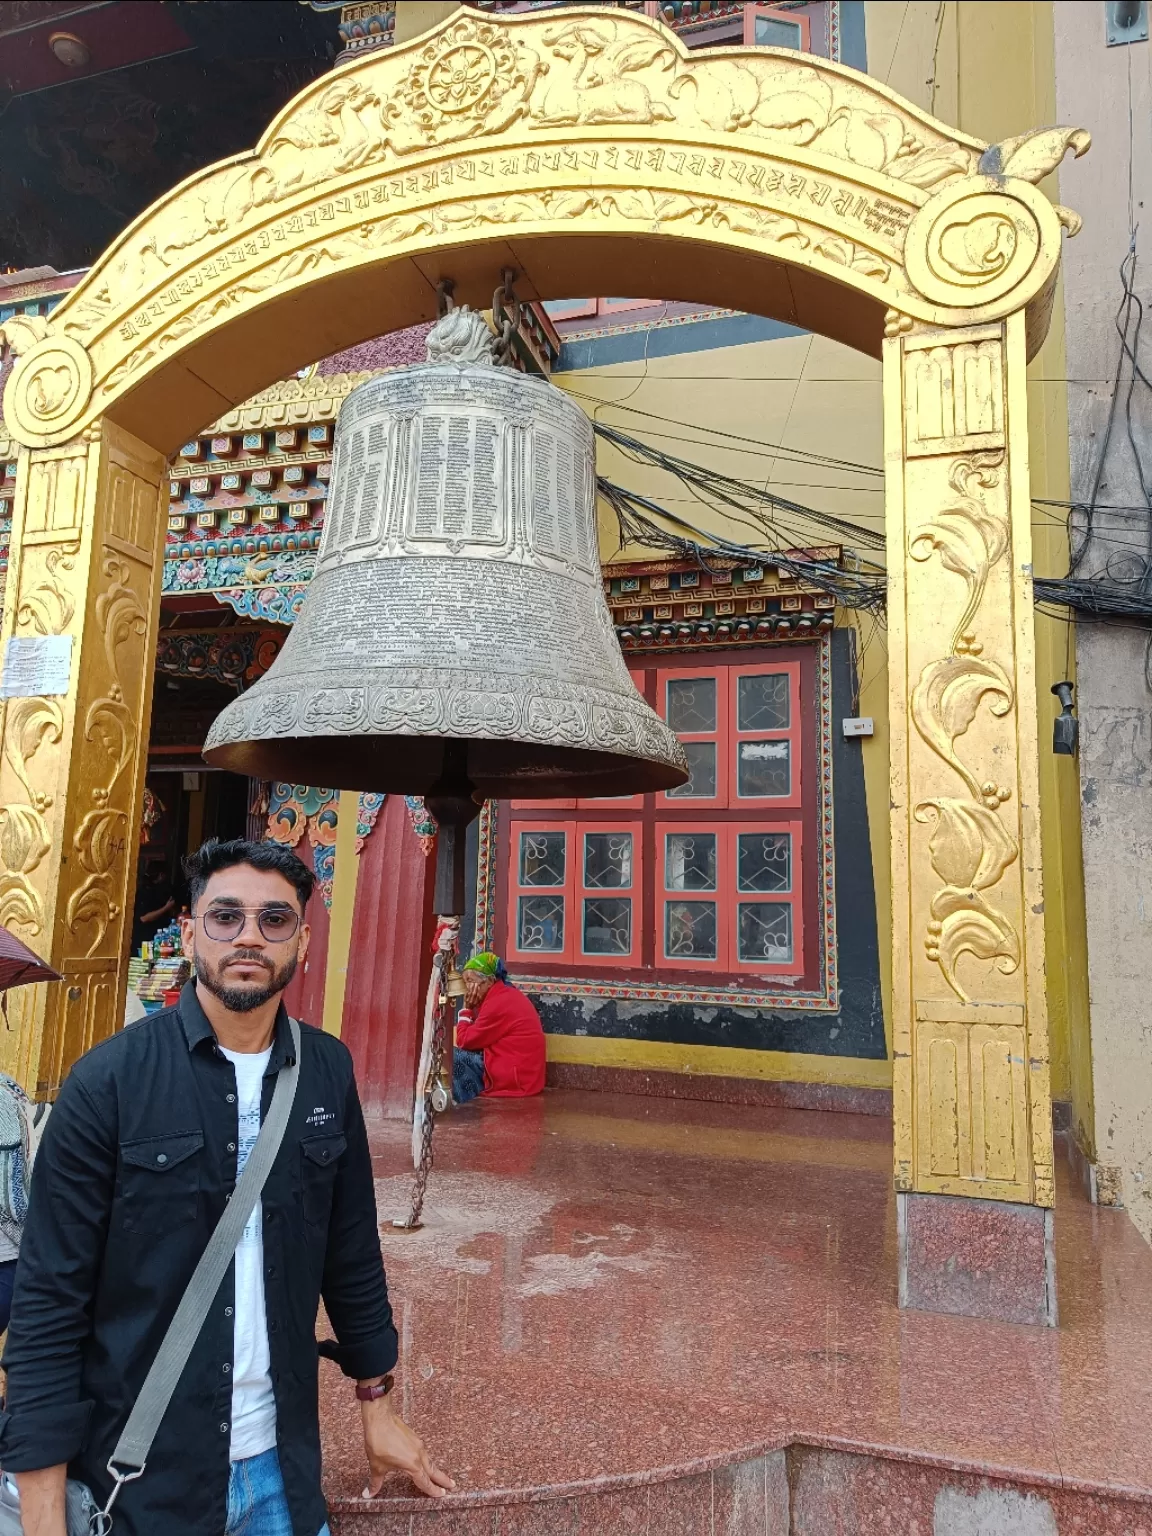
(253, 1402)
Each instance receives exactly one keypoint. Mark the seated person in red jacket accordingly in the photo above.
(499, 1037)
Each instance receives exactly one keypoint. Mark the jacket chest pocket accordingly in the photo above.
(319, 1156)
(160, 1181)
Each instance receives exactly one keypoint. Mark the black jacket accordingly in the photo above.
(136, 1165)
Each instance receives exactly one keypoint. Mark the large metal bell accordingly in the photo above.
(457, 600)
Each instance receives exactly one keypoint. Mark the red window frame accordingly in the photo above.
(789, 18)
(574, 892)
(649, 817)
(728, 737)
(790, 733)
(728, 898)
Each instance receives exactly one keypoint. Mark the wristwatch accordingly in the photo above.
(381, 1389)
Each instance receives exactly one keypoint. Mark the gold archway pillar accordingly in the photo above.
(593, 153)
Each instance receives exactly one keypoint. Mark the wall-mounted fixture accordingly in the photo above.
(1066, 727)
(72, 51)
(1126, 21)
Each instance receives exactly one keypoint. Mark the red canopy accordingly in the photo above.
(19, 965)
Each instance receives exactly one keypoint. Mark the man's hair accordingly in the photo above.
(213, 856)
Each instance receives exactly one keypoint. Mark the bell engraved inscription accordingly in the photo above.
(457, 596)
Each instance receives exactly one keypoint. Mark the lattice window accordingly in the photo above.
(710, 878)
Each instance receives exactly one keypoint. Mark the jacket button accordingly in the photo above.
(227, 1311)
(231, 1146)
(161, 1157)
(223, 1429)
(231, 1098)
(324, 1155)
(226, 1368)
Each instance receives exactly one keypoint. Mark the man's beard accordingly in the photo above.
(244, 999)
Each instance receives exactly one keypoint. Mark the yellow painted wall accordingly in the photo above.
(801, 392)
(989, 68)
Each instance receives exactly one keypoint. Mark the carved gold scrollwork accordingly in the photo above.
(48, 607)
(970, 848)
(969, 536)
(50, 385)
(980, 241)
(1033, 155)
(944, 705)
(29, 724)
(100, 841)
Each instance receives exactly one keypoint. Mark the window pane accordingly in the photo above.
(541, 858)
(690, 930)
(764, 931)
(690, 861)
(770, 33)
(762, 702)
(607, 925)
(607, 859)
(764, 861)
(763, 768)
(692, 704)
(541, 923)
(701, 783)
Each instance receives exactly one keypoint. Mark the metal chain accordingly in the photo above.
(427, 1156)
(505, 297)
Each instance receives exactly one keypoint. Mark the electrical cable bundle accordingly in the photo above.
(779, 520)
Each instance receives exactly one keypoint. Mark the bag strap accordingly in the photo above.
(127, 1461)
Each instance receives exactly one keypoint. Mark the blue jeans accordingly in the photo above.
(467, 1075)
(257, 1504)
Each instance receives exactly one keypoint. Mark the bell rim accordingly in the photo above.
(364, 763)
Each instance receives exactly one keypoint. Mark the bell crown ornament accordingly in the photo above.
(457, 608)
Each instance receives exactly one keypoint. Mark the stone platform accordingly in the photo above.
(629, 1315)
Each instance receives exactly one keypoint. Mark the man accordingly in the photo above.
(154, 901)
(139, 1158)
(499, 1038)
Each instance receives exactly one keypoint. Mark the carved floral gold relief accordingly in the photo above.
(100, 840)
(969, 535)
(970, 848)
(31, 727)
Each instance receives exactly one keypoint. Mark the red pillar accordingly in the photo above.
(304, 995)
(389, 962)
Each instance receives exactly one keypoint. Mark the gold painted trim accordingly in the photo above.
(719, 1061)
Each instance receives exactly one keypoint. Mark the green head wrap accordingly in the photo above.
(487, 964)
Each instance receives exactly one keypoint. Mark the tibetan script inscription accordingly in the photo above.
(452, 612)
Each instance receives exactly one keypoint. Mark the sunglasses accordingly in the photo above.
(226, 923)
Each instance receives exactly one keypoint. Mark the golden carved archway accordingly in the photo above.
(589, 150)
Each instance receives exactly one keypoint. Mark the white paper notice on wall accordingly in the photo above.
(35, 666)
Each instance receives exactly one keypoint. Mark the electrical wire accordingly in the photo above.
(742, 495)
(643, 521)
(762, 447)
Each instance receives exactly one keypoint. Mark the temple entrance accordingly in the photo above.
(589, 154)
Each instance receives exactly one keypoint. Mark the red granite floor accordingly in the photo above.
(610, 1286)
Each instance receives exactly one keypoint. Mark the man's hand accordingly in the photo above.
(42, 1511)
(392, 1447)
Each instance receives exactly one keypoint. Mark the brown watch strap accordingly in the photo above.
(381, 1389)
